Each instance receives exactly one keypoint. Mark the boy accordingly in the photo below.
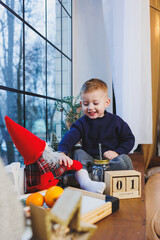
(98, 127)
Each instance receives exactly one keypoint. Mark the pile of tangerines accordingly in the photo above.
(50, 197)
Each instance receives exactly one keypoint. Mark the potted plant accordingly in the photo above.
(71, 108)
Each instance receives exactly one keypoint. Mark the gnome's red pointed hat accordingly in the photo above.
(29, 145)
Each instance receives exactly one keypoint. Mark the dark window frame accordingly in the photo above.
(23, 91)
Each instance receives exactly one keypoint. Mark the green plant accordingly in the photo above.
(71, 108)
(54, 142)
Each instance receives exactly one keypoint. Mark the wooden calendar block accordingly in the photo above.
(123, 184)
(119, 184)
(132, 184)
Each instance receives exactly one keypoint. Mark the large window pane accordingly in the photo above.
(67, 5)
(34, 63)
(54, 123)
(36, 115)
(35, 68)
(16, 6)
(12, 106)
(66, 73)
(11, 50)
(53, 72)
(35, 14)
(54, 22)
(66, 33)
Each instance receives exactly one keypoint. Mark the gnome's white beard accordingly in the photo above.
(50, 156)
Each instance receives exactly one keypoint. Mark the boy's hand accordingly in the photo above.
(110, 154)
(64, 159)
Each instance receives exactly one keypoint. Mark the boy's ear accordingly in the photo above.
(80, 103)
(108, 101)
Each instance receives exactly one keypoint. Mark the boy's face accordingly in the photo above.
(94, 103)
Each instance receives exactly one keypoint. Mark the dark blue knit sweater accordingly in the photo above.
(111, 131)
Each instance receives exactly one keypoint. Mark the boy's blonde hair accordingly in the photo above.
(93, 85)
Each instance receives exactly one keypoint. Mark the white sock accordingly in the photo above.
(87, 184)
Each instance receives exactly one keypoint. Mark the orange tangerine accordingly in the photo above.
(52, 194)
(35, 198)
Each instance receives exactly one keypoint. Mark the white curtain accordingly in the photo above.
(90, 52)
(112, 42)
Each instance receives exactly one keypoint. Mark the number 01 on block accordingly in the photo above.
(123, 184)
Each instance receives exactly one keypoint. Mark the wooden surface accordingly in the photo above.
(129, 221)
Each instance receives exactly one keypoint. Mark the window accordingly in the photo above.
(35, 67)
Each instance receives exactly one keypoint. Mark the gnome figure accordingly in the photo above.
(44, 166)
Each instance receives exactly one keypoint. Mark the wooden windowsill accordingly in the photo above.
(129, 221)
